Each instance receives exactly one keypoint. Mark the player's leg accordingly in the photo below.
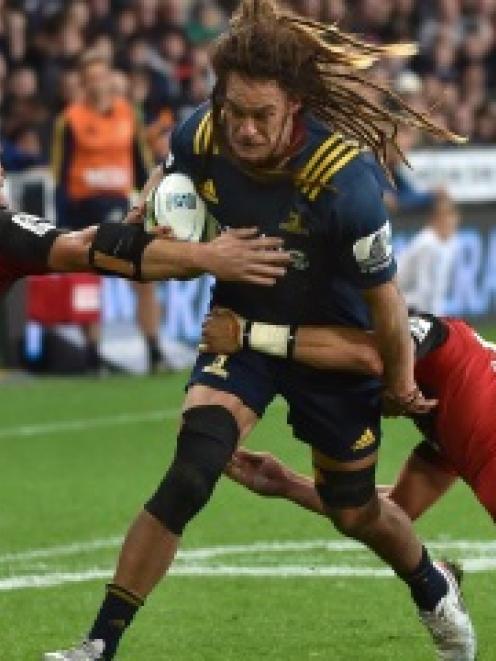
(343, 426)
(351, 501)
(213, 424)
(225, 399)
(210, 431)
(422, 481)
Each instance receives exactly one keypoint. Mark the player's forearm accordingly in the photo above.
(392, 335)
(300, 490)
(165, 258)
(320, 347)
(337, 348)
(153, 181)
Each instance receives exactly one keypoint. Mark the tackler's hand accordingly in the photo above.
(259, 472)
(411, 403)
(242, 255)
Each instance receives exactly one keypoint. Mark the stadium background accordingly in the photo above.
(69, 448)
(159, 53)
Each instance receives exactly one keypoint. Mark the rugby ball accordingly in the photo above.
(175, 203)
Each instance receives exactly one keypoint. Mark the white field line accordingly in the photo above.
(87, 423)
(192, 559)
(76, 548)
(61, 426)
(284, 571)
(336, 546)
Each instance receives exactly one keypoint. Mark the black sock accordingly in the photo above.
(116, 613)
(427, 584)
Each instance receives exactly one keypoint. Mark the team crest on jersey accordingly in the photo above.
(374, 252)
(294, 224)
(208, 192)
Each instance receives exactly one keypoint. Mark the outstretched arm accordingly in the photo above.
(236, 255)
(420, 483)
(321, 347)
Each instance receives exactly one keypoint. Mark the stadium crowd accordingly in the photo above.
(158, 49)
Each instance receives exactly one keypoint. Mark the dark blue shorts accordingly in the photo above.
(336, 413)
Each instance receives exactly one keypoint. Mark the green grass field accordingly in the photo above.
(79, 457)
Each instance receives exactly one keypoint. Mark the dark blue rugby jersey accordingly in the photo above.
(330, 214)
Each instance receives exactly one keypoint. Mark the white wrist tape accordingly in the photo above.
(270, 339)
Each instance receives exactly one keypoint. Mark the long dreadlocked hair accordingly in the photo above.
(323, 67)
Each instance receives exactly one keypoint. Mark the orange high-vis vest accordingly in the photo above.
(101, 161)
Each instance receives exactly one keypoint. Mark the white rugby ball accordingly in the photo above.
(176, 204)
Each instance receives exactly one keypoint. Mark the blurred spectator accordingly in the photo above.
(98, 157)
(22, 150)
(425, 266)
(165, 41)
(485, 124)
(206, 23)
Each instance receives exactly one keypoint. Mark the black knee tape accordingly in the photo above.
(117, 249)
(341, 489)
(206, 442)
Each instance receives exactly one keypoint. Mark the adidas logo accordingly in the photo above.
(294, 224)
(366, 439)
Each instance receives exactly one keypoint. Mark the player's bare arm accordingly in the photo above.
(419, 485)
(321, 347)
(126, 250)
(137, 211)
(390, 322)
(236, 255)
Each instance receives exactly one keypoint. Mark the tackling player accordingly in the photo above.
(270, 149)
(453, 364)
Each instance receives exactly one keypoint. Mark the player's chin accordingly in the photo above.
(253, 155)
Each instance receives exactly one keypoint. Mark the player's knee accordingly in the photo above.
(349, 498)
(207, 439)
(355, 522)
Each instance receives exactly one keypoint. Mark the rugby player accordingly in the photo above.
(453, 363)
(268, 150)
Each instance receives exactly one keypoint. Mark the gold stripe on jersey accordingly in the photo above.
(332, 155)
(334, 166)
(324, 164)
(203, 134)
(305, 174)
